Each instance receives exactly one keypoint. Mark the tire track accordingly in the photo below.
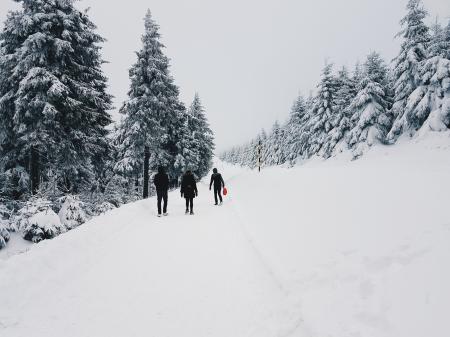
(299, 323)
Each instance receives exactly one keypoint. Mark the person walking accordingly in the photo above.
(217, 180)
(161, 182)
(189, 191)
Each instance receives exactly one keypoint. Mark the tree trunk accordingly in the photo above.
(34, 170)
(136, 183)
(146, 171)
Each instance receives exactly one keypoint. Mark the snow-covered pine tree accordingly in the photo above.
(371, 120)
(283, 150)
(275, 146)
(345, 93)
(177, 143)
(4, 233)
(37, 220)
(294, 129)
(252, 153)
(152, 103)
(9, 43)
(306, 129)
(446, 41)
(202, 136)
(72, 213)
(322, 114)
(357, 75)
(264, 146)
(58, 89)
(438, 44)
(116, 192)
(407, 65)
(428, 107)
(5, 226)
(185, 147)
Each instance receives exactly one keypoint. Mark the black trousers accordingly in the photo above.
(217, 192)
(190, 203)
(162, 196)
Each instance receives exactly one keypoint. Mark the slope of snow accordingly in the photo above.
(333, 248)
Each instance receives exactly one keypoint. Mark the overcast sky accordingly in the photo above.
(248, 59)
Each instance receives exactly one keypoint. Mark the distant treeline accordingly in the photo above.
(375, 103)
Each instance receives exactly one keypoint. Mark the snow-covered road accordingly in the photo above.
(130, 273)
(326, 249)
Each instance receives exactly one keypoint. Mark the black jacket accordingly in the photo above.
(217, 179)
(189, 186)
(161, 181)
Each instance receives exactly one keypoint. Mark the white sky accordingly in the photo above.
(248, 59)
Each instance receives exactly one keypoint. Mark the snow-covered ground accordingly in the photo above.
(332, 248)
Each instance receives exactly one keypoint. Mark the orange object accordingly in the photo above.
(225, 191)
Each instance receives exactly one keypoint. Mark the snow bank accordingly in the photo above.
(362, 246)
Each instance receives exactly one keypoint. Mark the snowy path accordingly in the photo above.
(140, 275)
(339, 249)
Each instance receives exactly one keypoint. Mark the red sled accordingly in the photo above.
(225, 191)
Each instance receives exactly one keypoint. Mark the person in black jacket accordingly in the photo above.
(189, 190)
(161, 181)
(217, 179)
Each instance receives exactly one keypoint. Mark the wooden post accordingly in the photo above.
(259, 156)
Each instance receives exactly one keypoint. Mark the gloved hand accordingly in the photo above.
(182, 194)
(196, 194)
(210, 188)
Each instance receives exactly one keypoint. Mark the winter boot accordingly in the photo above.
(187, 211)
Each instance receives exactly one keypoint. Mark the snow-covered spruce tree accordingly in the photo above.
(371, 120)
(428, 107)
(8, 162)
(446, 41)
(58, 88)
(14, 183)
(116, 191)
(439, 46)
(251, 155)
(264, 146)
(14, 178)
(116, 186)
(306, 135)
(341, 121)
(37, 221)
(358, 75)
(185, 143)
(4, 233)
(178, 151)
(72, 213)
(322, 114)
(275, 146)
(203, 139)
(5, 227)
(182, 146)
(407, 65)
(294, 129)
(152, 112)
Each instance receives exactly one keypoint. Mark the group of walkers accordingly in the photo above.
(188, 189)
